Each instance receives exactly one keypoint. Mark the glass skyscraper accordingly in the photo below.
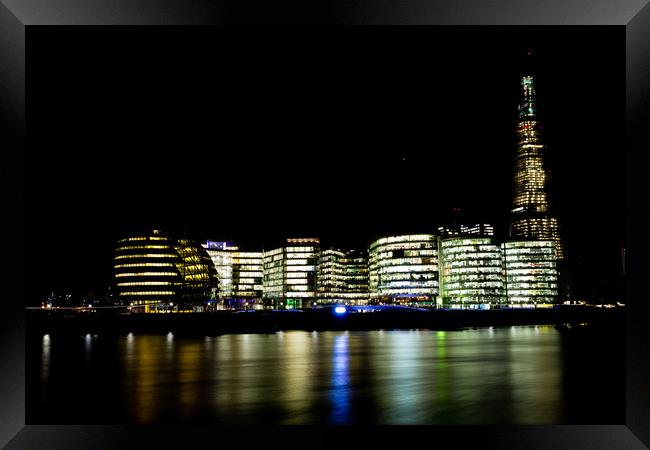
(531, 214)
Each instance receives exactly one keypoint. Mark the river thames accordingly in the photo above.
(493, 375)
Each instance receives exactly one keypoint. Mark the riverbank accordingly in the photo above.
(224, 322)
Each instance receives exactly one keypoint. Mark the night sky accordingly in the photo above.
(258, 134)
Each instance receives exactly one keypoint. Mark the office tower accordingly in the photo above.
(289, 279)
(404, 270)
(155, 272)
(531, 273)
(342, 278)
(471, 272)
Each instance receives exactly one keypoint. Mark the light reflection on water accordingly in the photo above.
(483, 376)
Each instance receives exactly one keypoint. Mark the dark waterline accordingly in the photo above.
(509, 375)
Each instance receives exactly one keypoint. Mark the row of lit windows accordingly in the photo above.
(525, 294)
(408, 283)
(143, 247)
(455, 242)
(147, 283)
(470, 248)
(146, 274)
(408, 276)
(150, 238)
(472, 277)
(403, 261)
(300, 268)
(472, 285)
(474, 263)
(135, 265)
(147, 255)
(406, 291)
(406, 238)
(473, 269)
(130, 293)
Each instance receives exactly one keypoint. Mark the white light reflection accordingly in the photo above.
(45, 358)
(340, 388)
(88, 345)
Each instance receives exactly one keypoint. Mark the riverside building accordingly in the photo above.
(289, 274)
(155, 272)
(404, 270)
(240, 275)
(531, 273)
(342, 278)
(471, 272)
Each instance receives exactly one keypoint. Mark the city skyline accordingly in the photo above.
(411, 178)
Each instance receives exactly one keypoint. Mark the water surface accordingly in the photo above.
(512, 375)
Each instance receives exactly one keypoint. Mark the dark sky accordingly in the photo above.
(256, 134)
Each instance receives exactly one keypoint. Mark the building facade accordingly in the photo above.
(404, 270)
(531, 273)
(240, 275)
(154, 272)
(531, 213)
(471, 273)
(289, 274)
(342, 278)
(477, 229)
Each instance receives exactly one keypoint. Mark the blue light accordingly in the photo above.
(340, 310)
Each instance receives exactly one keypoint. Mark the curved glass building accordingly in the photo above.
(152, 272)
(198, 275)
(471, 273)
(404, 269)
(531, 273)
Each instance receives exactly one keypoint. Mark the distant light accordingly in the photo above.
(340, 310)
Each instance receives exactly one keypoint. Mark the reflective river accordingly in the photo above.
(510, 375)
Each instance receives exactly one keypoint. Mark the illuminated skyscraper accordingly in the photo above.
(531, 214)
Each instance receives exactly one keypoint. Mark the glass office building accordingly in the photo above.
(531, 273)
(471, 273)
(478, 229)
(240, 275)
(289, 274)
(342, 278)
(154, 272)
(404, 270)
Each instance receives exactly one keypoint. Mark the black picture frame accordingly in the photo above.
(16, 16)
